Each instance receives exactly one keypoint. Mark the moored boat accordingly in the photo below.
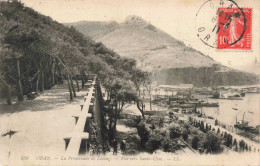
(244, 125)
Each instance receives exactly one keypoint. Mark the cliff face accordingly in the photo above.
(204, 76)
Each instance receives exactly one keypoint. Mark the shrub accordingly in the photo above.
(170, 145)
(152, 127)
(190, 119)
(161, 121)
(174, 132)
(153, 143)
(149, 120)
(155, 140)
(187, 127)
(160, 139)
(137, 120)
(194, 131)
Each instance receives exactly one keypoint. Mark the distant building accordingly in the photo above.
(177, 87)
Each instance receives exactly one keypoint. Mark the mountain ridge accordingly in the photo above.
(156, 51)
(95, 29)
(153, 48)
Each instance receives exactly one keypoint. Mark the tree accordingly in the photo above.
(122, 94)
(68, 79)
(138, 77)
(246, 147)
(242, 145)
(225, 134)
(148, 86)
(218, 131)
(185, 135)
(8, 88)
(228, 140)
(15, 57)
(235, 144)
(186, 127)
(216, 122)
(143, 132)
(6, 92)
(202, 126)
(195, 142)
(212, 143)
(207, 127)
(27, 51)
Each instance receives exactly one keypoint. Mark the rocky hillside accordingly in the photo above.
(158, 52)
(151, 47)
(95, 29)
(204, 76)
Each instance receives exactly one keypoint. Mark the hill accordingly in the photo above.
(159, 52)
(94, 29)
(152, 48)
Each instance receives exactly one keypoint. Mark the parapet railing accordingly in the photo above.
(78, 142)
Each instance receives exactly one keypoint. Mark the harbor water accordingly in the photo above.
(229, 110)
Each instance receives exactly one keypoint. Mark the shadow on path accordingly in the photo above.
(56, 97)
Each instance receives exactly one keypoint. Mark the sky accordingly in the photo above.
(176, 17)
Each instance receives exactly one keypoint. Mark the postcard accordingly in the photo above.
(129, 82)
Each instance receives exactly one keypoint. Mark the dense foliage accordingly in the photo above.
(154, 135)
(37, 52)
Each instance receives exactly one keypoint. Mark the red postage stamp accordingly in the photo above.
(235, 28)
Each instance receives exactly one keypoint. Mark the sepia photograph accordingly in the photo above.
(129, 82)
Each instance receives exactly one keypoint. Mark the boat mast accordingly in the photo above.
(243, 117)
